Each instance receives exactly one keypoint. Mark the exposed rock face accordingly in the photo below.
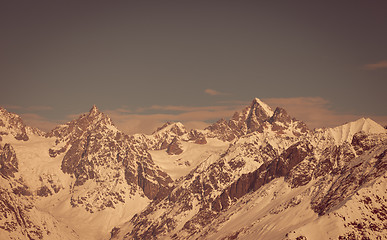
(351, 177)
(11, 123)
(14, 217)
(19, 219)
(258, 117)
(283, 166)
(251, 119)
(222, 130)
(8, 161)
(165, 135)
(154, 182)
(197, 137)
(95, 150)
(175, 128)
(174, 147)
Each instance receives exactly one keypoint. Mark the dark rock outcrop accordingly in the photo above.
(284, 166)
(197, 137)
(8, 161)
(174, 148)
(256, 118)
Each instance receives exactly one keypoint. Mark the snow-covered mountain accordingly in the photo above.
(260, 175)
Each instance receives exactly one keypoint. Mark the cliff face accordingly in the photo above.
(94, 149)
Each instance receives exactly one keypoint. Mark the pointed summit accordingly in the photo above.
(264, 108)
(173, 127)
(94, 110)
(344, 133)
(94, 120)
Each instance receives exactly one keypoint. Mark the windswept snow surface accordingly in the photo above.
(35, 164)
(91, 226)
(345, 132)
(194, 154)
(269, 213)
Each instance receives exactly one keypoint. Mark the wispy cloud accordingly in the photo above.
(213, 92)
(35, 120)
(34, 108)
(181, 108)
(375, 66)
(192, 117)
(12, 107)
(39, 108)
(317, 112)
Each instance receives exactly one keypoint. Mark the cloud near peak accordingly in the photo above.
(213, 92)
(375, 66)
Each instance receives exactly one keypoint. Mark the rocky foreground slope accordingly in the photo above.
(260, 175)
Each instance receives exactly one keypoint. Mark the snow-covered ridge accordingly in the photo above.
(176, 127)
(344, 133)
(200, 184)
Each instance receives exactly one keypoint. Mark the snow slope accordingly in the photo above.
(193, 154)
(344, 133)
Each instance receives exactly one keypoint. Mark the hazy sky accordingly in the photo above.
(145, 62)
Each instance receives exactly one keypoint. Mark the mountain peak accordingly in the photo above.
(344, 133)
(175, 127)
(12, 123)
(257, 103)
(94, 120)
(94, 110)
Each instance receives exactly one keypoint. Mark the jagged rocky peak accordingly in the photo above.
(251, 118)
(94, 120)
(280, 115)
(95, 115)
(171, 127)
(281, 121)
(94, 110)
(257, 117)
(256, 111)
(261, 109)
(11, 123)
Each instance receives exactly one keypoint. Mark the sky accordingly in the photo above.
(147, 62)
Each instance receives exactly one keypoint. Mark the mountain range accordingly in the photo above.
(259, 175)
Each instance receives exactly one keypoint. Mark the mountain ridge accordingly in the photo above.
(180, 184)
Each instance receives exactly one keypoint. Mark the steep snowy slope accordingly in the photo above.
(274, 178)
(348, 204)
(345, 132)
(23, 177)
